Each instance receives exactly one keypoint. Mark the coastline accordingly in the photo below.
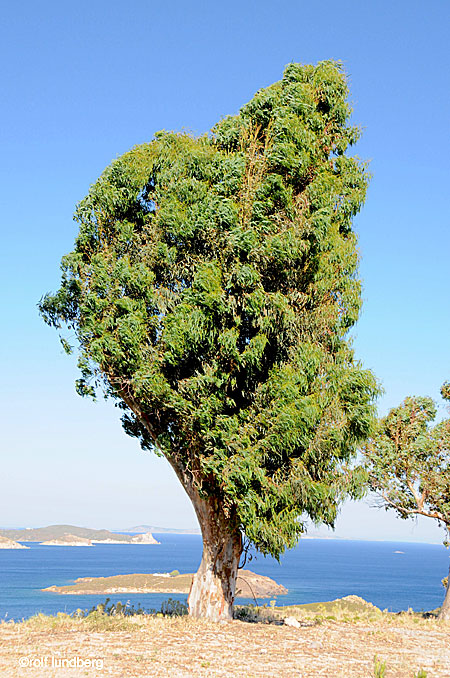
(371, 570)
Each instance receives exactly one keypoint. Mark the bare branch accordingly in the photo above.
(418, 511)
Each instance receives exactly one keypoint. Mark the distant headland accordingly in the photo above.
(69, 535)
(162, 530)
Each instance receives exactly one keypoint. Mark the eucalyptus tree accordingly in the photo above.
(211, 290)
(408, 462)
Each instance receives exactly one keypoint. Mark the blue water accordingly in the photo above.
(316, 570)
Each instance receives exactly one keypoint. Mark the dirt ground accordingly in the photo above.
(141, 647)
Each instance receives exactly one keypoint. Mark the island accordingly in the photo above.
(6, 543)
(248, 585)
(70, 535)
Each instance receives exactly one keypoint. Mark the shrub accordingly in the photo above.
(169, 608)
(173, 608)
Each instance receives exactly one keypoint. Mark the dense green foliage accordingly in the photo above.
(408, 460)
(211, 290)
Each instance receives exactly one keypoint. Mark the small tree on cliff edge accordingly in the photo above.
(211, 289)
(409, 465)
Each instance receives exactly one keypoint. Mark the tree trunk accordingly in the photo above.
(445, 609)
(214, 585)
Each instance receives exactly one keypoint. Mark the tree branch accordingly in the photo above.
(417, 498)
(418, 511)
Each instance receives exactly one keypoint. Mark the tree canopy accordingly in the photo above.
(408, 462)
(211, 291)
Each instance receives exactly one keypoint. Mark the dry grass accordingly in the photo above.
(350, 609)
(143, 646)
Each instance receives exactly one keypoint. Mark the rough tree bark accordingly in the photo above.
(214, 585)
(445, 609)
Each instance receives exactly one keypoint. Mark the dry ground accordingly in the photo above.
(139, 647)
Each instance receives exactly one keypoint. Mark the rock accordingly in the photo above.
(146, 538)
(292, 621)
(249, 585)
(10, 544)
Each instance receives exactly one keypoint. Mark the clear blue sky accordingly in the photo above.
(82, 83)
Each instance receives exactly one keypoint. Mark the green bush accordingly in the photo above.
(247, 613)
(112, 609)
(169, 608)
(173, 608)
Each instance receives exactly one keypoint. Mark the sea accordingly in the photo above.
(391, 575)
